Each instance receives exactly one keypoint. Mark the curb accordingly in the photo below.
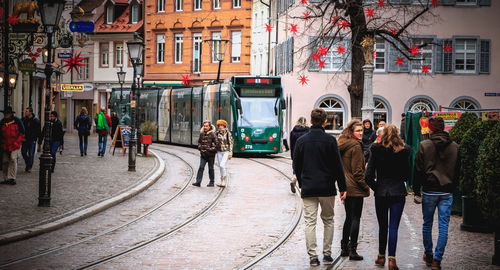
(87, 212)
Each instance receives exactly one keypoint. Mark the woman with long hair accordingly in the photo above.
(83, 125)
(298, 130)
(389, 164)
(353, 161)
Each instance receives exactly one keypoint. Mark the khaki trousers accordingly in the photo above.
(9, 164)
(310, 216)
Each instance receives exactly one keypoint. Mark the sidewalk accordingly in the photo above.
(78, 183)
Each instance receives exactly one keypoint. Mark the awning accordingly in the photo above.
(163, 83)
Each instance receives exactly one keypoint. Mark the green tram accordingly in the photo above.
(252, 106)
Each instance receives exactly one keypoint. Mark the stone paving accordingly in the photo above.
(78, 182)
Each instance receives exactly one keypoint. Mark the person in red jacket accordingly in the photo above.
(103, 127)
(11, 136)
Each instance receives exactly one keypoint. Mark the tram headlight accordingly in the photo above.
(275, 135)
(247, 138)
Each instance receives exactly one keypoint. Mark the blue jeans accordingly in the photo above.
(53, 150)
(384, 205)
(28, 152)
(103, 138)
(429, 205)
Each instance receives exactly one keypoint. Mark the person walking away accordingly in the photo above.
(298, 130)
(56, 137)
(33, 131)
(353, 161)
(436, 173)
(386, 173)
(285, 140)
(207, 144)
(369, 136)
(402, 126)
(83, 125)
(317, 164)
(224, 149)
(103, 126)
(12, 136)
(114, 124)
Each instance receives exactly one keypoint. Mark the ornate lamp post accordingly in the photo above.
(50, 11)
(140, 72)
(218, 48)
(121, 79)
(135, 49)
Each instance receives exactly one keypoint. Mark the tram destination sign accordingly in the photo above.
(257, 92)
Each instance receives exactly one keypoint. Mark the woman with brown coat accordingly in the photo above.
(350, 147)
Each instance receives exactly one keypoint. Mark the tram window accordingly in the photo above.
(258, 112)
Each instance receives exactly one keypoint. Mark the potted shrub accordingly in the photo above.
(472, 220)
(488, 184)
(464, 123)
(147, 128)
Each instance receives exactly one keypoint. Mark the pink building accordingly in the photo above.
(468, 77)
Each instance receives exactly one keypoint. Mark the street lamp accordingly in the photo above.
(12, 80)
(135, 49)
(50, 12)
(218, 48)
(121, 79)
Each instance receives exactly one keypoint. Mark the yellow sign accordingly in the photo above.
(448, 115)
(72, 87)
(132, 103)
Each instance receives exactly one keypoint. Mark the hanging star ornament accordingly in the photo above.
(394, 31)
(13, 20)
(317, 56)
(322, 50)
(425, 69)
(185, 80)
(414, 50)
(321, 64)
(374, 54)
(306, 16)
(335, 19)
(434, 3)
(268, 27)
(73, 63)
(381, 3)
(370, 13)
(303, 2)
(400, 61)
(341, 49)
(293, 28)
(344, 24)
(447, 48)
(303, 80)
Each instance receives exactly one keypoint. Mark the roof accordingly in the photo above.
(90, 5)
(119, 25)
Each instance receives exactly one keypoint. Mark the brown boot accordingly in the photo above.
(392, 263)
(427, 259)
(380, 261)
(436, 265)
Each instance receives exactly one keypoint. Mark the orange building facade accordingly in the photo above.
(176, 34)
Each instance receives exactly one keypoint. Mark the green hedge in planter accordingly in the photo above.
(148, 128)
(464, 123)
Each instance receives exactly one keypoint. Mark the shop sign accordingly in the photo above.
(27, 65)
(88, 87)
(64, 55)
(491, 115)
(491, 94)
(424, 125)
(450, 118)
(81, 27)
(72, 87)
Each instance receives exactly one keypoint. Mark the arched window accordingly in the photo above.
(420, 104)
(335, 111)
(380, 113)
(465, 103)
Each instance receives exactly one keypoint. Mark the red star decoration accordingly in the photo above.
(434, 3)
(394, 31)
(414, 50)
(370, 13)
(321, 63)
(293, 28)
(335, 19)
(185, 79)
(317, 56)
(447, 48)
(322, 50)
(341, 49)
(374, 54)
(344, 24)
(13, 20)
(268, 27)
(381, 3)
(425, 69)
(303, 80)
(306, 16)
(400, 61)
(303, 2)
(73, 63)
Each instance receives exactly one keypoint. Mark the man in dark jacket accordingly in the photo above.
(436, 171)
(207, 144)
(32, 127)
(317, 164)
(56, 137)
(11, 136)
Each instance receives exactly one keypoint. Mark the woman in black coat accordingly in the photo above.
(369, 136)
(114, 124)
(298, 131)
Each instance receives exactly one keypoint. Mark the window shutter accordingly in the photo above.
(485, 2)
(315, 1)
(484, 61)
(312, 65)
(447, 2)
(448, 63)
(288, 54)
(405, 2)
(438, 56)
(291, 54)
(276, 60)
(348, 54)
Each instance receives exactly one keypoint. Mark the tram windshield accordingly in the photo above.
(258, 112)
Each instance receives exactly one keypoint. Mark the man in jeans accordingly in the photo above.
(317, 165)
(436, 171)
(103, 126)
(32, 127)
(207, 144)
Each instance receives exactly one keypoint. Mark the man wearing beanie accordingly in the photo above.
(436, 173)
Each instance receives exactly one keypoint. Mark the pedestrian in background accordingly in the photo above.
(33, 130)
(114, 124)
(369, 136)
(285, 140)
(12, 136)
(103, 126)
(381, 124)
(353, 161)
(56, 138)
(207, 144)
(436, 172)
(379, 132)
(298, 131)
(224, 149)
(402, 126)
(317, 164)
(83, 125)
(386, 173)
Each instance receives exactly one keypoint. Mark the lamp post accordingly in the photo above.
(140, 73)
(135, 49)
(12, 82)
(121, 79)
(218, 48)
(50, 11)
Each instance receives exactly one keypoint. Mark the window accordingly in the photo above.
(83, 71)
(236, 3)
(333, 60)
(380, 54)
(119, 54)
(161, 5)
(178, 5)
(424, 56)
(420, 105)
(216, 47)
(197, 4)
(465, 104)
(178, 48)
(109, 15)
(380, 112)
(197, 53)
(135, 14)
(216, 4)
(236, 47)
(334, 113)
(160, 49)
(104, 48)
(466, 2)
(465, 55)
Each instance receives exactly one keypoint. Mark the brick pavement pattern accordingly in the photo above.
(78, 182)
